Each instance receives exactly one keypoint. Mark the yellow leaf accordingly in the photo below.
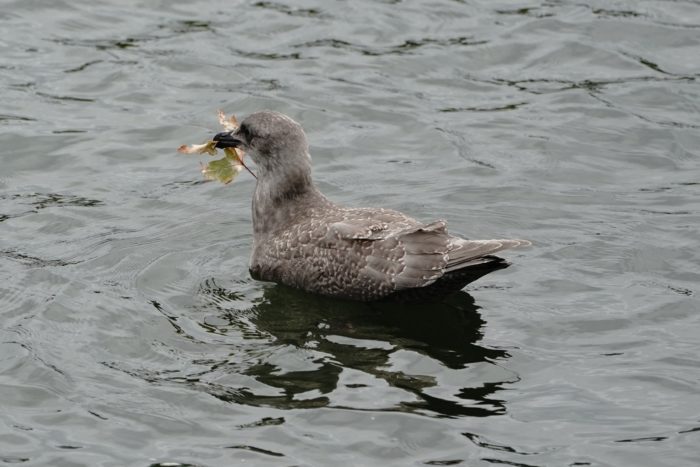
(206, 148)
(230, 123)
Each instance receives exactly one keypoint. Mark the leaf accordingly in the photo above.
(230, 123)
(205, 148)
(225, 169)
(235, 155)
(222, 170)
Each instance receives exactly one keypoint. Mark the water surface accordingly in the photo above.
(132, 334)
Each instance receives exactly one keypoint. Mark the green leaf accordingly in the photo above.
(222, 170)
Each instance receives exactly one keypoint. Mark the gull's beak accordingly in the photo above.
(227, 140)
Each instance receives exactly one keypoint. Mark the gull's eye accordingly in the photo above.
(246, 133)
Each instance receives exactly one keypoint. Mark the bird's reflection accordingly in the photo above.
(363, 337)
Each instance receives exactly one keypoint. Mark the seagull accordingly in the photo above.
(304, 240)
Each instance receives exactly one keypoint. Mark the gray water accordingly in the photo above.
(132, 334)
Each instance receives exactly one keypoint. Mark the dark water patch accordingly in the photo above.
(333, 43)
(339, 340)
(257, 450)
(103, 44)
(16, 118)
(14, 460)
(284, 402)
(83, 67)
(23, 85)
(452, 41)
(602, 12)
(611, 14)
(65, 98)
(647, 63)
(267, 421)
(287, 10)
(678, 25)
(171, 319)
(615, 15)
(450, 340)
(642, 439)
(219, 295)
(141, 373)
(544, 85)
(266, 55)
(660, 189)
(445, 462)
(482, 163)
(526, 11)
(671, 123)
(268, 85)
(188, 26)
(479, 441)
(34, 261)
(485, 407)
(101, 417)
(484, 109)
(665, 213)
(406, 47)
(506, 462)
(461, 148)
(48, 200)
(657, 122)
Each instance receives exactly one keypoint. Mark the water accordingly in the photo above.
(132, 334)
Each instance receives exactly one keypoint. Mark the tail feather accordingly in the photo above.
(468, 251)
(451, 282)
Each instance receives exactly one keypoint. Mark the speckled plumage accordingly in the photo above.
(304, 240)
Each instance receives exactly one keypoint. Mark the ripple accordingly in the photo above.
(257, 450)
(408, 46)
(282, 8)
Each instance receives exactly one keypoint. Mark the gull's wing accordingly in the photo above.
(414, 256)
(465, 252)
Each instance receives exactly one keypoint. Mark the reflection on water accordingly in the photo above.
(363, 337)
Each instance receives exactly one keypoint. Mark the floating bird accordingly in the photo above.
(304, 240)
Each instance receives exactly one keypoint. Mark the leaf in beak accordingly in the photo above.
(206, 148)
(225, 169)
(222, 170)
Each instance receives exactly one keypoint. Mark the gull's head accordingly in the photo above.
(271, 139)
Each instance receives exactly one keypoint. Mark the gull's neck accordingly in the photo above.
(284, 194)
